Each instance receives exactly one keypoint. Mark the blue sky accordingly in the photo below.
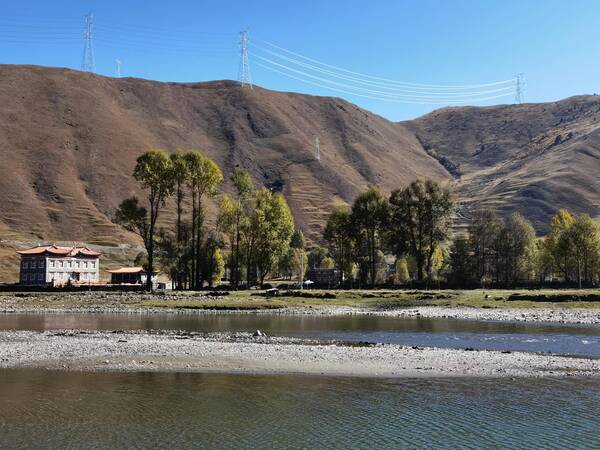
(555, 44)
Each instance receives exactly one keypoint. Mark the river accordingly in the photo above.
(580, 340)
(43, 409)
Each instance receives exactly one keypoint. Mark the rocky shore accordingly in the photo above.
(128, 303)
(244, 353)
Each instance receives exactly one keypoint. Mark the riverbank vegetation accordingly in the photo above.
(370, 300)
(401, 240)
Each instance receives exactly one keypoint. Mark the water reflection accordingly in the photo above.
(438, 332)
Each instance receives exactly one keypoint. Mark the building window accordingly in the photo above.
(41, 264)
(25, 264)
(51, 263)
(24, 277)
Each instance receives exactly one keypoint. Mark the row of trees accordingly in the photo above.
(188, 254)
(257, 223)
(259, 227)
(412, 226)
(506, 251)
(414, 222)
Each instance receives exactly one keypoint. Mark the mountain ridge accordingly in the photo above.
(69, 141)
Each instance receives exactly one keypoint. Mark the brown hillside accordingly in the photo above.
(69, 141)
(534, 158)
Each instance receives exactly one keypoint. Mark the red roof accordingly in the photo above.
(59, 251)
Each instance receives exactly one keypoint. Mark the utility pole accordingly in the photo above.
(244, 71)
(317, 149)
(88, 63)
(519, 89)
(118, 61)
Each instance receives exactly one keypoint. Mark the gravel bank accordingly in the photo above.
(566, 316)
(243, 353)
(583, 316)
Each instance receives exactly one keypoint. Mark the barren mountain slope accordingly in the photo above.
(69, 140)
(532, 158)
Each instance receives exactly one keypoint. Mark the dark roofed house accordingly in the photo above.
(54, 265)
(323, 277)
(130, 275)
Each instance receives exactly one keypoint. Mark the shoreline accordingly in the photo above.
(537, 315)
(171, 351)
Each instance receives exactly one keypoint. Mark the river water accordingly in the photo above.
(439, 332)
(42, 409)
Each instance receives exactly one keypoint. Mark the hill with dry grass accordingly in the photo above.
(69, 140)
(531, 158)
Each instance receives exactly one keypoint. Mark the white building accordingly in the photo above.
(49, 264)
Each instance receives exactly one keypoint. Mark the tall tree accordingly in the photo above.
(483, 230)
(370, 218)
(512, 245)
(297, 240)
(338, 235)
(204, 177)
(461, 270)
(180, 180)
(211, 262)
(233, 220)
(421, 213)
(582, 238)
(271, 226)
(556, 245)
(154, 172)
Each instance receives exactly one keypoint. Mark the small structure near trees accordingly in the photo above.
(131, 275)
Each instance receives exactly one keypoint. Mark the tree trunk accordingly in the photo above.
(372, 240)
(150, 248)
(179, 280)
(199, 220)
(192, 280)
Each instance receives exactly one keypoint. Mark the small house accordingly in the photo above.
(131, 275)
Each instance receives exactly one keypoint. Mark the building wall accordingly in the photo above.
(46, 269)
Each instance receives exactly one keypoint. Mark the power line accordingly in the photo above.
(476, 96)
(386, 86)
(372, 97)
(88, 64)
(402, 93)
(395, 82)
(244, 72)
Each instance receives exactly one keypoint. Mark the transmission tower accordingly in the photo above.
(118, 61)
(244, 72)
(88, 64)
(317, 149)
(519, 89)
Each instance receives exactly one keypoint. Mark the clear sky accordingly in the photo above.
(554, 43)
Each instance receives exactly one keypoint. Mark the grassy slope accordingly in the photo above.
(376, 300)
